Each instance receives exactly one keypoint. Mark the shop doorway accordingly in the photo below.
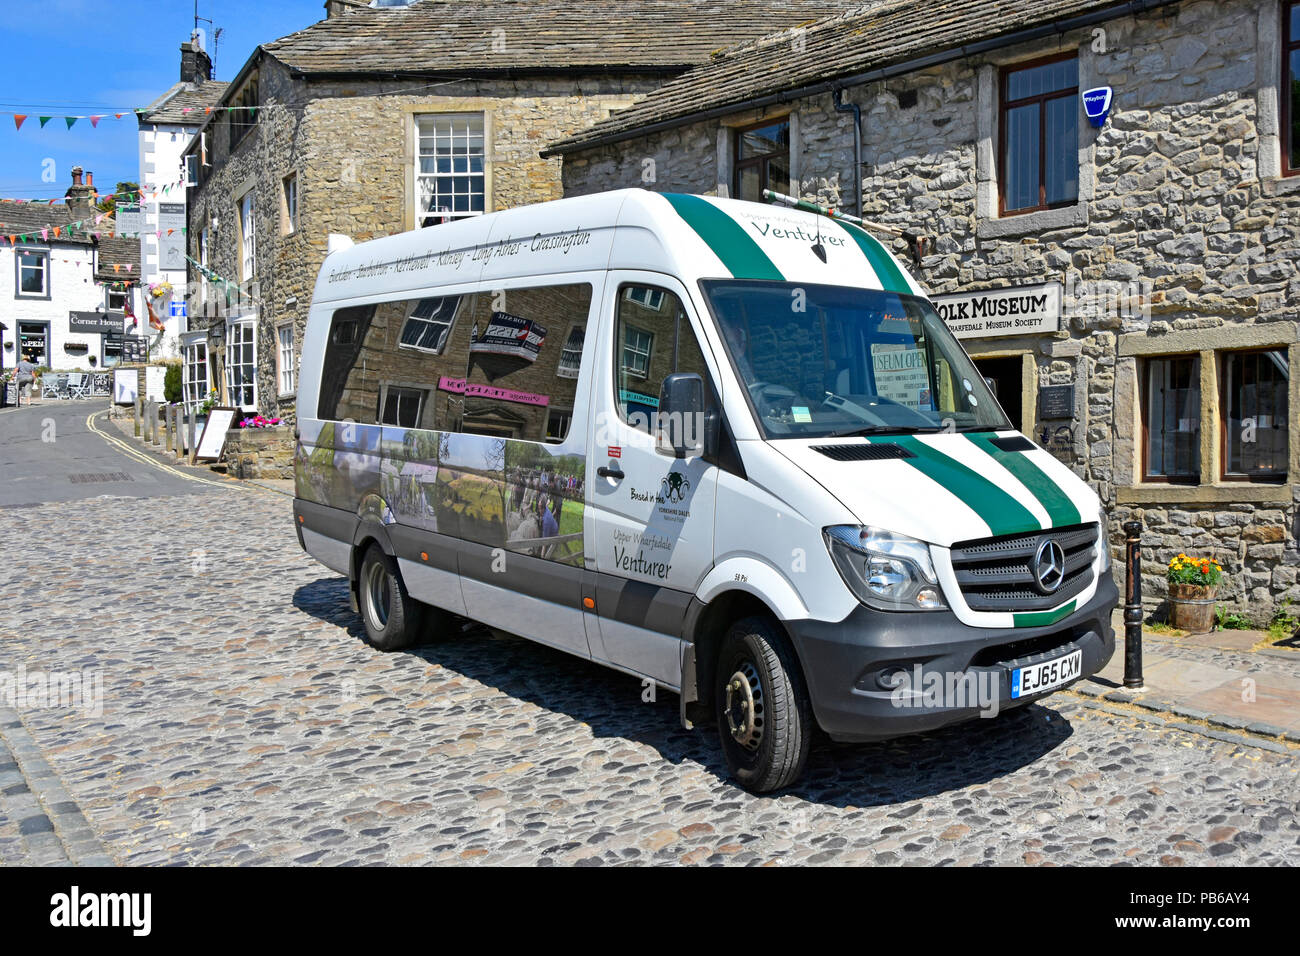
(34, 342)
(1005, 377)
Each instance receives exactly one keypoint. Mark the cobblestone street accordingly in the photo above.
(245, 721)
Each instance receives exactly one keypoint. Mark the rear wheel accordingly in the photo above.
(764, 718)
(393, 619)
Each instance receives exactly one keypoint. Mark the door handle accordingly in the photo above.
(614, 473)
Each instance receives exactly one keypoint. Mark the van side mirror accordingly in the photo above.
(680, 426)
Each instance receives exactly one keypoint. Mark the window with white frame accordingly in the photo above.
(248, 236)
(114, 300)
(33, 279)
(571, 354)
(291, 203)
(637, 345)
(429, 324)
(451, 181)
(652, 299)
(194, 374)
(241, 363)
(400, 406)
(284, 358)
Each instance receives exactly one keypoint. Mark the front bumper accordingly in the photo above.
(843, 664)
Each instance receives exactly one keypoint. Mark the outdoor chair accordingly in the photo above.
(54, 386)
(78, 385)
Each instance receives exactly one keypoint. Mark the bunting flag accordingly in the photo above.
(81, 225)
(71, 118)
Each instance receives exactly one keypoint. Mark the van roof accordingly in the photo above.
(690, 237)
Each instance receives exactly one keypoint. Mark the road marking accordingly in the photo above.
(140, 456)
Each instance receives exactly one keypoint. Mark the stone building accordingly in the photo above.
(1130, 288)
(383, 118)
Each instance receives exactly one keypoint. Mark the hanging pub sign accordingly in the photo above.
(129, 218)
(94, 323)
(1096, 103)
(509, 335)
(1020, 310)
(171, 244)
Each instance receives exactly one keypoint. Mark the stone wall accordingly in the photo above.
(1183, 235)
(260, 452)
(352, 148)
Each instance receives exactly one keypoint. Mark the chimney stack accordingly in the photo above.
(81, 196)
(196, 65)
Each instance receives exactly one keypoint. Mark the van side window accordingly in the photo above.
(397, 363)
(524, 351)
(653, 337)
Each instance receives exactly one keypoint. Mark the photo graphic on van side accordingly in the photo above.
(613, 445)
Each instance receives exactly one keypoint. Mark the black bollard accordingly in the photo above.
(1133, 606)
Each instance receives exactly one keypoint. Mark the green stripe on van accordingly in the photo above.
(891, 277)
(1056, 502)
(999, 510)
(726, 237)
(1043, 618)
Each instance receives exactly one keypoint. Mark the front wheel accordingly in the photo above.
(764, 718)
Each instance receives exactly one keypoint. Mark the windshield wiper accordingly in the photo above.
(911, 430)
(888, 430)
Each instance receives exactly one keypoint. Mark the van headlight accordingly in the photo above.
(886, 571)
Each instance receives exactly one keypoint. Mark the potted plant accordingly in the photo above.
(1193, 584)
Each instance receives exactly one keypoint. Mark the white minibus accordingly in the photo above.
(727, 447)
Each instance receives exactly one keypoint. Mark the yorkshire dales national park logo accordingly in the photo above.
(675, 487)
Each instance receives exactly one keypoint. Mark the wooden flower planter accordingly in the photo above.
(1191, 607)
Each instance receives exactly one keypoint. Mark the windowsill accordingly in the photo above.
(1044, 220)
(30, 297)
(1281, 185)
(1226, 492)
(287, 397)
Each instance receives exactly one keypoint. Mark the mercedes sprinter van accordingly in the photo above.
(726, 447)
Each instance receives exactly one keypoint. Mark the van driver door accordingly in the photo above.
(650, 537)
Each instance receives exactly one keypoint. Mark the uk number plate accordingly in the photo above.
(1045, 676)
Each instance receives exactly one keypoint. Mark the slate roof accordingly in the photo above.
(867, 39)
(456, 37)
(118, 251)
(31, 217)
(171, 106)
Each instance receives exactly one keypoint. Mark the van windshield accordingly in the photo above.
(824, 361)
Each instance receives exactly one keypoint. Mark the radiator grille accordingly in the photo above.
(998, 574)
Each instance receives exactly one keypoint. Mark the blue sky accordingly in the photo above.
(93, 56)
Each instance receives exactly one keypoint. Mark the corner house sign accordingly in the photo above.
(95, 323)
(1021, 310)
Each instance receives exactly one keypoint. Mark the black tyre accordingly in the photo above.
(393, 619)
(764, 718)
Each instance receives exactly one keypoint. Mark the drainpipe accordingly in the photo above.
(856, 110)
